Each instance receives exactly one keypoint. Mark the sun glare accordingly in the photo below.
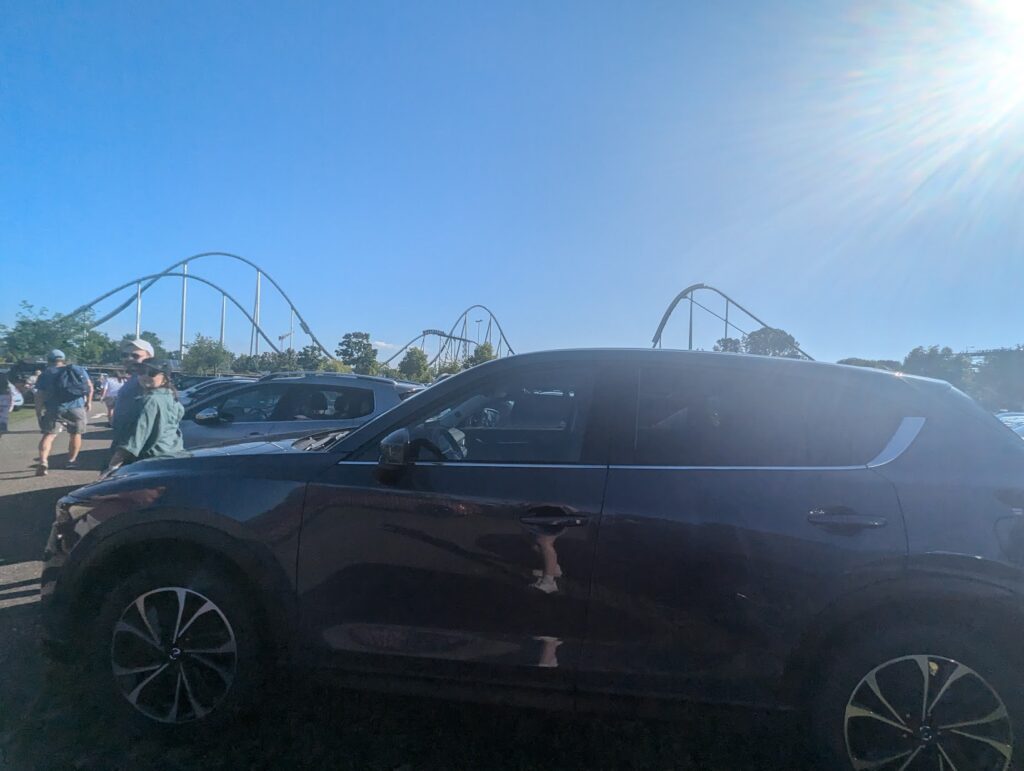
(929, 110)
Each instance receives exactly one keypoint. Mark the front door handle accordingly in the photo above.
(552, 516)
(844, 518)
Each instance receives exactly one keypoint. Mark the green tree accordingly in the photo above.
(484, 352)
(888, 364)
(311, 358)
(729, 345)
(450, 368)
(356, 350)
(998, 382)
(97, 348)
(36, 333)
(941, 363)
(767, 341)
(414, 365)
(333, 365)
(206, 356)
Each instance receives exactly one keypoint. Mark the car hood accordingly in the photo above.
(246, 448)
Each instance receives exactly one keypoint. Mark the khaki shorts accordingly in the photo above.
(73, 420)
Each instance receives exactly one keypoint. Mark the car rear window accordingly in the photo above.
(721, 418)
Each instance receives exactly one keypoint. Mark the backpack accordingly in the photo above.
(72, 383)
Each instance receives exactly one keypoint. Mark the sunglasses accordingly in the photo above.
(133, 355)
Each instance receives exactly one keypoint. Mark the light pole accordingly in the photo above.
(478, 331)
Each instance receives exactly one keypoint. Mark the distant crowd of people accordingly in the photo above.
(141, 402)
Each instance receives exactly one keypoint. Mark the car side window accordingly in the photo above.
(719, 417)
(252, 405)
(326, 403)
(538, 417)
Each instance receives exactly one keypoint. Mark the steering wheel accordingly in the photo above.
(441, 444)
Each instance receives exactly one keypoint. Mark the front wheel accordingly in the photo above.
(919, 697)
(176, 645)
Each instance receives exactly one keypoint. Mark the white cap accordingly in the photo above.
(138, 342)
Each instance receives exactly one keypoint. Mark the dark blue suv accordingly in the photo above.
(567, 527)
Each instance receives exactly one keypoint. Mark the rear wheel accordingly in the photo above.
(176, 645)
(919, 697)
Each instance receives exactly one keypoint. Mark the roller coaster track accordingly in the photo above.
(156, 277)
(153, 278)
(688, 294)
(451, 341)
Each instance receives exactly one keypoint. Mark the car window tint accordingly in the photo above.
(727, 418)
(326, 403)
(252, 404)
(539, 417)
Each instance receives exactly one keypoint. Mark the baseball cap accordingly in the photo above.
(55, 355)
(138, 342)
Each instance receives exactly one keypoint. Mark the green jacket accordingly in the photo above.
(151, 430)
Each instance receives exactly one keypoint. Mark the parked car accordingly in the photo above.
(565, 528)
(210, 387)
(183, 382)
(1014, 421)
(289, 405)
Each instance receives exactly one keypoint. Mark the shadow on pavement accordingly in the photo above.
(25, 520)
(305, 724)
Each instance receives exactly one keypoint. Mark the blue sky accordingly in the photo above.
(850, 172)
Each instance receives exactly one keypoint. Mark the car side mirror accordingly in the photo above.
(208, 416)
(395, 451)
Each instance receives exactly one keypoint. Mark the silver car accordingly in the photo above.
(288, 405)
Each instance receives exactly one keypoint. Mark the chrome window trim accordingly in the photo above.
(899, 442)
(470, 464)
(741, 468)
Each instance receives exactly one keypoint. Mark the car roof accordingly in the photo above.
(737, 360)
(332, 378)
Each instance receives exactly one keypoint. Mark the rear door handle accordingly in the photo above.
(844, 518)
(553, 516)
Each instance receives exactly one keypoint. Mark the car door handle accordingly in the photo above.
(553, 516)
(843, 518)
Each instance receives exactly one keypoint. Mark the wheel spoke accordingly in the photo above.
(225, 674)
(120, 671)
(853, 711)
(923, 665)
(228, 647)
(206, 608)
(872, 681)
(124, 626)
(180, 594)
(910, 760)
(999, 713)
(140, 605)
(133, 697)
(172, 715)
(867, 765)
(960, 671)
(948, 760)
(197, 708)
(1006, 750)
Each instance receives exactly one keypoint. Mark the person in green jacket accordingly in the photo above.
(152, 428)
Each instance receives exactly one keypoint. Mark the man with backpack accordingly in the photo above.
(63, 398)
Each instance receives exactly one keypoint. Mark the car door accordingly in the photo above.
(309, 408)
(242, 415)
(740, 508)
(477, 555)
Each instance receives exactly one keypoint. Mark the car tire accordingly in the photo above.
(870, 701)
(176, 648)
